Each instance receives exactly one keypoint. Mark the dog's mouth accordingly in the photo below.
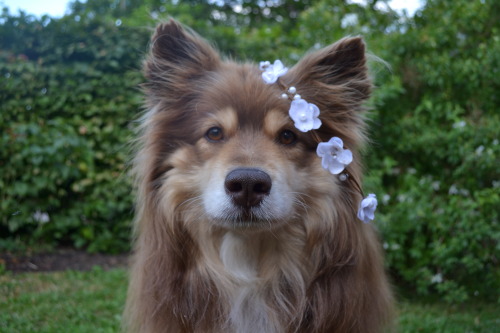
(248, 219)
(249, 226)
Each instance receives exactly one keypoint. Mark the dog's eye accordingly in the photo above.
(287, 137)
(214, 134)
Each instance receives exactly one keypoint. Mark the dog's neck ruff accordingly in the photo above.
(334, 157)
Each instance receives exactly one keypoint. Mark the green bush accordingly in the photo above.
(436, 150)
(66, 117)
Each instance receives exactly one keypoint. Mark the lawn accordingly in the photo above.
(67, 301)
(93, 301)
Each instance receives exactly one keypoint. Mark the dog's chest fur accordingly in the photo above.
(251, 310)
(248, 307)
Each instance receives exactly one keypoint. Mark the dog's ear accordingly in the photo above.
(177, 56)
(339, 69)
(336, 79)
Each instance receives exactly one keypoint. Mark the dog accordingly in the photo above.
(239, 227)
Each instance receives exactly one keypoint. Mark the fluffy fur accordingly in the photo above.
(296, 261)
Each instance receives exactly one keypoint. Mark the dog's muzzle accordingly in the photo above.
(247, 187)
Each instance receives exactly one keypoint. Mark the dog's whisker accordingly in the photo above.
(190, 201)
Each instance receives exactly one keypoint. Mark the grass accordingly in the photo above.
(444, 318)
(62, 302)
(93, 302)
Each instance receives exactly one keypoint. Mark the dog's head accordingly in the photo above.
(218, 145)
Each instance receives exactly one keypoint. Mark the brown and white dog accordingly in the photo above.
(238, 227)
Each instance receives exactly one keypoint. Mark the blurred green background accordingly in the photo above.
(69, 96)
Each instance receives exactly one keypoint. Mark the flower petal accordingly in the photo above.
(345, 157)
(361, 214)
(335, 167)
(323, 149)
(297, 106)
(337, 142)
(316, 124)
(304, 126)
(314, 109)
(326, 161)
(370, 214)
(279, 68)
(269, 77)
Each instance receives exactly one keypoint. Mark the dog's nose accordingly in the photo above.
(247, 186)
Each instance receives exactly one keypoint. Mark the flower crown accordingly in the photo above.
(334, 157)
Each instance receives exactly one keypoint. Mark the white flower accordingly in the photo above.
(349, 20)
(272, 72)
(453, 189)
(367, 207)
(395, 247)
(386, 198)
(438, 278)
(334, 157)
(436, 185)
(41, 217)
(305, 115)
(459, 124)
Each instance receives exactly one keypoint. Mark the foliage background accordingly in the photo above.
(69, 94)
